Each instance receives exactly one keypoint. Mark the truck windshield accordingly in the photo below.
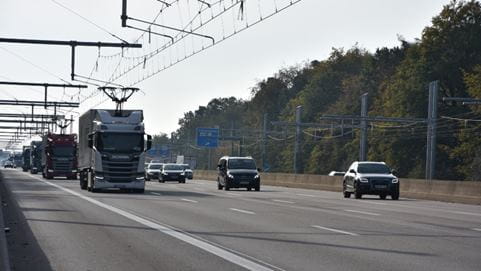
(120, 142)
(373, 168)
(241, 164)
(63, 151)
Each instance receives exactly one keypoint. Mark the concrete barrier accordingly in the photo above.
(4, 258)
(449, 191)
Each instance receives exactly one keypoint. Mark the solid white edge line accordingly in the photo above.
(224, 254)
(155, 193)
(361, 212)
(242, 211)
(334, 230)
(476, 229)
(189, 200)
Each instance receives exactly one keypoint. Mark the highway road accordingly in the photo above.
(193, 226)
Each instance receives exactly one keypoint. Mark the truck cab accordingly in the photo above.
(112, 148)
(36, 149)
(59, 157)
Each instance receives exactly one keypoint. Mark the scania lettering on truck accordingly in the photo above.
(59, 157)
(112, 148)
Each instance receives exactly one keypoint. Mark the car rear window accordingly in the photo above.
(373, 168)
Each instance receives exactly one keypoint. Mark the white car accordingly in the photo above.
(337, 173)
(189, 174)
(152, 171)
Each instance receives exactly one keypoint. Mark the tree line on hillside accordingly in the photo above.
(397, 81)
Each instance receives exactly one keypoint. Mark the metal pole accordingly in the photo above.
(363, 139)
(431, 133)
(264, 142)
(298, 139)
(209, 160)
(123, 17)
(232, 136)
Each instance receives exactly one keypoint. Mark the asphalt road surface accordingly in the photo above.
(193, 226)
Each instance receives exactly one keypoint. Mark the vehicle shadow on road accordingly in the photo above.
(252, 236)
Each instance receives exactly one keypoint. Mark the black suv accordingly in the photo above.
(370, 178)
(237, 172)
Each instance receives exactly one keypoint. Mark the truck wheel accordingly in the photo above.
(383, 196)
(258, 187)
(219, 187)
(347, 194)
(83, 185)
(227, 187)
(49, 177)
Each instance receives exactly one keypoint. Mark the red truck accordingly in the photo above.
(59, 157)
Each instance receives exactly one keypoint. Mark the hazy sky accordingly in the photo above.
(305, 31)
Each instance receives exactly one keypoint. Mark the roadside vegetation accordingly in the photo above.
(449, 50)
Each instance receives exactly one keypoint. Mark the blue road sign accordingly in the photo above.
(164, 151)
(208, 137)
(159, 150)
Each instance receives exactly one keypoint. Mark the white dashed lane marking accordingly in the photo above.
(361, 212)
(242, 211)
(189, 200)
(283, 201)
(334, 230)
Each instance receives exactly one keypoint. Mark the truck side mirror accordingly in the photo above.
(352, 171)
(394, 172)
(259, 169)
(91, 140)
(149, 142)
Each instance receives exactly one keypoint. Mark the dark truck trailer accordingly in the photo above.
(18, 159)
(36, 150)
(59, 156)
(112, 148)
(26, 158)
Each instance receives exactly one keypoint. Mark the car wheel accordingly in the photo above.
(357, 193)
(382, 196)
(219, 187)
(395, 196)
(249, 188)
(227, 187)
(347, 194)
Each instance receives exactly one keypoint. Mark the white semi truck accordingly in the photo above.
(112, 146)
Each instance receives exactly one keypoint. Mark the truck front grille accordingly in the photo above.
(120, 172)
(63, 166)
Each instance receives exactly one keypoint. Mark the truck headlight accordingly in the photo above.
(183, 173)
(257, 176)
(50, 170)
(364, 180)
(395, 180)
(230, 176)
(98, 177)
(140, 178)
